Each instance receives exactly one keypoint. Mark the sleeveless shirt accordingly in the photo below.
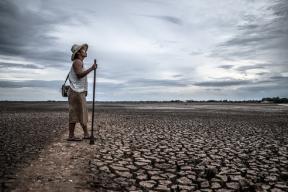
(77, 84)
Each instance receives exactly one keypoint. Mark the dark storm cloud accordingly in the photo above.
(259, 36)
(280, 90)
(178, 76)
(213, 89)
(31, 83)
(226, 66)
(19, 28)
(262, 73)
(25, 32)
(249, 67)
(166, 18)
(280, 78)
(142, 83)
(275, 80)
(156, 82)
(182, 82)
(225, 83)
(101, 85)
(249, 39)
(245, 68)
(13, 65)
(272, 83)
(170, 19)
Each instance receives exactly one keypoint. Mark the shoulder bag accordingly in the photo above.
(65, 88)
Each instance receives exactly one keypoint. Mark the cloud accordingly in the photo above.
(269, 90)
(25, 33)
(30, 83)
(226, 66)
(146, 49)
(156, 82)
(136, 83)
(247, 89)
(280, 78)
(13, 65)
(261, 68)
(249, 67)
(263, 36)
(225, 83)
(170, 19)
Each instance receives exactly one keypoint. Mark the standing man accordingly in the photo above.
(78, 112)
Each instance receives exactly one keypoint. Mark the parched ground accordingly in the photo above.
(149, 147)
(24, 132)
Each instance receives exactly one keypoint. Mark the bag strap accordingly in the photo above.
(66, 78)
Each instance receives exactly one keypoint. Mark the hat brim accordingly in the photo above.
(85, 45)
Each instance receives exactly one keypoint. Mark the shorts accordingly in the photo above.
(78, 112)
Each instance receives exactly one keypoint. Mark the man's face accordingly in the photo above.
(83, 52)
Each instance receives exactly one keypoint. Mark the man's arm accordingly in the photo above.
(77, 65)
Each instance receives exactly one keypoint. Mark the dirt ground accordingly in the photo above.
(146, 147)
(60, 167)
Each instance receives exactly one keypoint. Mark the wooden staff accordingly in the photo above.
(92, 138)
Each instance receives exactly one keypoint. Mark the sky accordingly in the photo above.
(146, 49)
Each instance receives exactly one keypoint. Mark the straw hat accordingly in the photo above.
(75, 48)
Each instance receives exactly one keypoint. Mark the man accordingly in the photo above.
(77, 92)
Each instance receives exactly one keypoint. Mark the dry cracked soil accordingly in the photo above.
(146, 147)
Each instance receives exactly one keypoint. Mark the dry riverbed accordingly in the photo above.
(147, 147)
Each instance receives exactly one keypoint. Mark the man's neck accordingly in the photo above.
(81, 58)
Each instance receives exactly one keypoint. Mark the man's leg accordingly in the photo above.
(85, 130)
(71, 130)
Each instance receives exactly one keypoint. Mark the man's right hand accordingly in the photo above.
(94, 66)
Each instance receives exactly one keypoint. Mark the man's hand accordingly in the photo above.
(94, 66)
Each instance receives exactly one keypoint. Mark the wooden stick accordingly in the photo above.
(92, 138)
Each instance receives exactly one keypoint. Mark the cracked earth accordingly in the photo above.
(203, 149)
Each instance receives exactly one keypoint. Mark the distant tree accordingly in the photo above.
(176, 101)
(275, 100)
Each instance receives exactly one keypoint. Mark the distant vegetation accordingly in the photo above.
(275, 100)
(263, 100)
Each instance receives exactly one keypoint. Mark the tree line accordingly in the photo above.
(263, 100)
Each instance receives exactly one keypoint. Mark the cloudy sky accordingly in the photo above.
(146, 49)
